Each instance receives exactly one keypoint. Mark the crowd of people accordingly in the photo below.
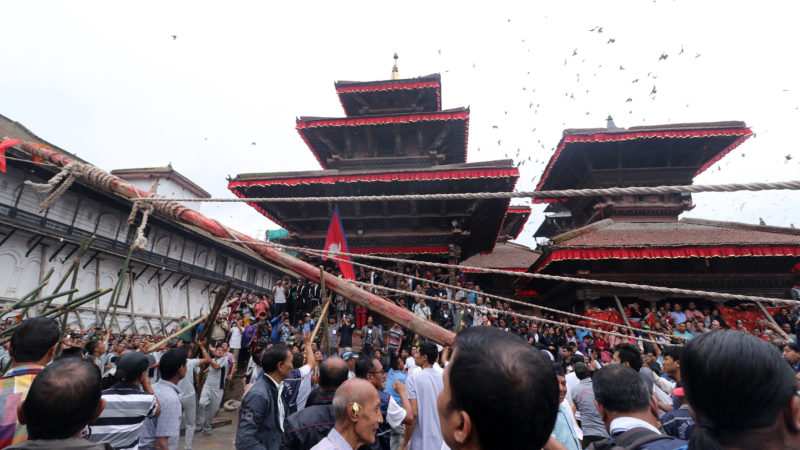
(359, 382)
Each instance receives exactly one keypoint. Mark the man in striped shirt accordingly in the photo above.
(33, 345)
(128, 403)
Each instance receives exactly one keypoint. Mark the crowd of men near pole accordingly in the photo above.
(505, 383)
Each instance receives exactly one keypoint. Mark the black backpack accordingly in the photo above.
(638, 438)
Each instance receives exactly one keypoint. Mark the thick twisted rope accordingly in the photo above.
(496, 297)
(553, 194)
(67, 174)
(615, 284)
(509, 313)
(140, 243)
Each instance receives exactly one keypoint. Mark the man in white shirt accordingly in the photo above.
(628, 409)
(423, 388)
(188, 395)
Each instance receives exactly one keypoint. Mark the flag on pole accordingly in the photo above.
(4, 144)
(337, 242)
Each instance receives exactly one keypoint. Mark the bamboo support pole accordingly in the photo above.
(191, 325)
(73, 270)
(60, 310)
(379, 305)
(30, 303)
(22, 301)
(123, 271)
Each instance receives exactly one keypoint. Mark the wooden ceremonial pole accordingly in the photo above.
(222, 294)
(379, 305)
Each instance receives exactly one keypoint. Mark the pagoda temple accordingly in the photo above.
(395, 139)
(640, 238)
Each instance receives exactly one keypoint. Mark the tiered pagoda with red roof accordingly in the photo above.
(640, 239)
(395, 138)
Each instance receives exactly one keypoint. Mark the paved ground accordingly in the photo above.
(221, 437)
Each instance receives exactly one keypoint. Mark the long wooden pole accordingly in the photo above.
(379, 305)
(622, 311)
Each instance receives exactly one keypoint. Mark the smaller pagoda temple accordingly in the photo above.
(640, 238)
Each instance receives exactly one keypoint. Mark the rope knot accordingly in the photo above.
(140, 241)
(68, 174)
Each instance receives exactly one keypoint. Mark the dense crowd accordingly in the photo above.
(507, 382)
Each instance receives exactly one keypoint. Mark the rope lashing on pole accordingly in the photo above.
(140, 243)
(509, 313)
(68, 174)
(614, 284)
(551, 194)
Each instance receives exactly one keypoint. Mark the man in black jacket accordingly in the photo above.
(306, 428)
(261, 415)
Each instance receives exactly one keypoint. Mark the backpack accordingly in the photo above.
(641, 439)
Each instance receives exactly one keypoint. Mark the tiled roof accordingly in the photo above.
(686, 232)
(506, 255)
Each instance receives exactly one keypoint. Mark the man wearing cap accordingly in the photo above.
(679, 422)
(350, 358)
(128, 403)
(582, 397)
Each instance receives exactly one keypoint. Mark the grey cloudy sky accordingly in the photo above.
(106, 80)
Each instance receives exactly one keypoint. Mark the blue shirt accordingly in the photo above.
(563, 431)
(392, 377)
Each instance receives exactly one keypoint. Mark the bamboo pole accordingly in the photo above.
(30, 303)
(187, 327)
(82, 249)
(284, 261)
(622, 312)
(60, 310)
(22, 301)
(321, 318)
(123, 271)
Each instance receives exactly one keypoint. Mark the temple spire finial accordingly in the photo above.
(395, 72)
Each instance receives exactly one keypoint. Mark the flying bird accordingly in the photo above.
(621, 68)
(252, 143)
(611, 41)
(663, 57)
(681, 52)
(494, 127)
(788, 158)
(600, 30)
(174, 37)
(697, 56)
(635, 81)
(575, 52)
(653, 92)
(628, 100)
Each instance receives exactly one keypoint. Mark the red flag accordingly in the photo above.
(337, 242)
(3, 146)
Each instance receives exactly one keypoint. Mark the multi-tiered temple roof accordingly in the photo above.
(395, 139)
(639, 238)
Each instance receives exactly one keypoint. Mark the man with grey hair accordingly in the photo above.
(357, 408)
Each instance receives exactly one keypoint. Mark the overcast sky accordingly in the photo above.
(108, 81)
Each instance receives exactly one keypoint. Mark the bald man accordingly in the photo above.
(357, 408)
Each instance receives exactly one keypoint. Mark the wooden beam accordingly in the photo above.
(622, 311)
(440, 137)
